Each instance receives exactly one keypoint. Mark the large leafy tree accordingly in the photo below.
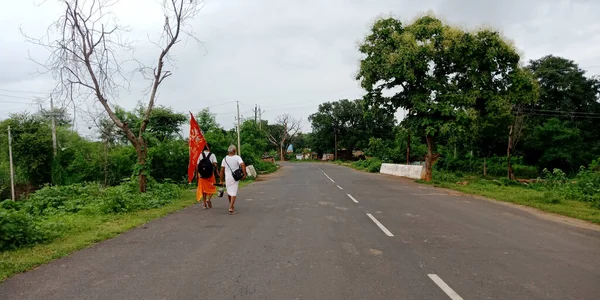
(31, 147)
(164, 123)
(566, 94)
(439, 74)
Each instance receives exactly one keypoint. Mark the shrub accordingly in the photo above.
(586, 187)
(372, 165)
(19, 229)
(440, 176)
(496, 166)
(264, 167)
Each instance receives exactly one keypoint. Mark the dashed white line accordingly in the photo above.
(339, 187)
(355, 201)
(447, 289)
(385, 230)
(329, 177)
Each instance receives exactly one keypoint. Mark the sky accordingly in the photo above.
(285, 56)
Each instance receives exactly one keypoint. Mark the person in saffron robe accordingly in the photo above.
(206, 188)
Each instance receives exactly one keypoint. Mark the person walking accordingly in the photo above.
(233, 170)
(207, 168)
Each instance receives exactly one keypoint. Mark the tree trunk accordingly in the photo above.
(511, 176)
(408, 149)
(335, 145)
(430, 159)
(142, 153)
(281, 153)
(485, 166)
(106, 163)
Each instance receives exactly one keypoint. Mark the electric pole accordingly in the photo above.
(53, 116)
(260, 112)
(12, 171)
(255, 113)
(238, 128)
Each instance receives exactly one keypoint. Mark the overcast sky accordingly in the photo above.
(287, 56)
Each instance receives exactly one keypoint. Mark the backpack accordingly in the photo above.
(205, 167)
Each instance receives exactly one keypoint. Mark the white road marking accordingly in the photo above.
(385, 230)
(447, 289)
(339, 187)
(355, 201)
(328, 177)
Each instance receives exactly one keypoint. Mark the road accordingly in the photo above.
(320, 231)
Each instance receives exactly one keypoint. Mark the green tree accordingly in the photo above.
(164, 123)
(568, 94)
(206, 120)
(31, 146)
(349, 124)
(440, 74)
(561, 144)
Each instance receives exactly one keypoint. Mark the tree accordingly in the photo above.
(283, 133)
(84, 60)
(206, 120)
(165, 123)
(568, 94)
(437, 73)
(350, 123)
(31, 147)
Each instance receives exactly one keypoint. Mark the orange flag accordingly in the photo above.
(196, 143)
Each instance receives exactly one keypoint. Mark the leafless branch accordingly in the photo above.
(84, 47)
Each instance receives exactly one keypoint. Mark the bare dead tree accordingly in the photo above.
(284, 132)
(84, 59)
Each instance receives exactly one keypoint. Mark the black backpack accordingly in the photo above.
(205, 167)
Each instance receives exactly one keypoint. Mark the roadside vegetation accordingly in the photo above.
(481, 121)
(89, 191)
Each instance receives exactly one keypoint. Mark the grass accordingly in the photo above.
(84, 231)
(544, 200)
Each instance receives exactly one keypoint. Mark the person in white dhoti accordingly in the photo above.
(230, 164)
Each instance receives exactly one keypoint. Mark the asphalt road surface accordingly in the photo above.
(320, 231)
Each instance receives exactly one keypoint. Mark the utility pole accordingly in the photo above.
(12, 171)
(260, 112)
(53, 115)
(238, 128)
(335, 157)
(255, 113)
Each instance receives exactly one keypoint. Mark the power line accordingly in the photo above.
(561, 116)
(16, 97)
(561, 111)
(24, 92)
(16, 102)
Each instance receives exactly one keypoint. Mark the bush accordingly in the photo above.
(264, 167)
(496, 166)
(26, 222)
(586, 187)
(372, 165)
(440, 176)
(18, 229)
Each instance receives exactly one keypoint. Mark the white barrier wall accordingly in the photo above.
(251, 171)
(410, 171)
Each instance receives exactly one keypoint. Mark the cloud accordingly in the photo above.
(290, 56)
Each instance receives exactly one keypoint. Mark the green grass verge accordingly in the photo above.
(86, 230)
(544, 200)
